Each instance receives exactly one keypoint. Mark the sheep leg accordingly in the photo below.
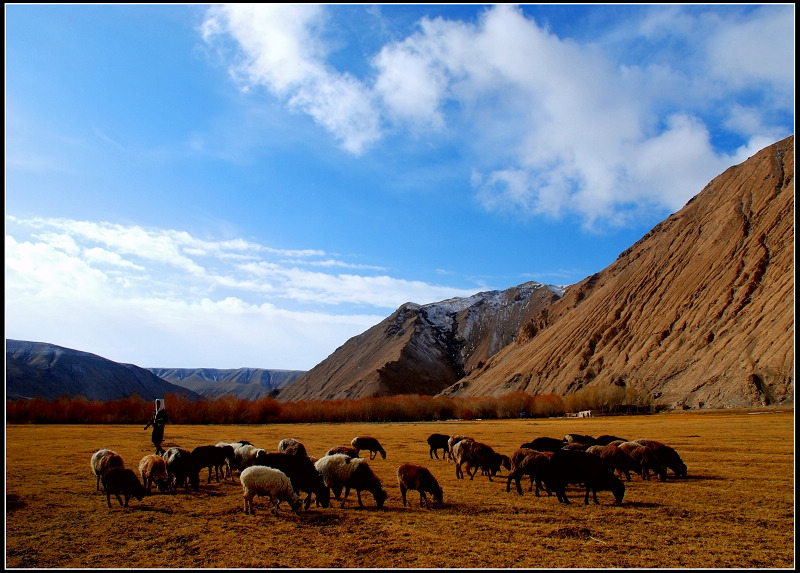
(344, 498)
(358, 494)
(403, 494)
(422, 498)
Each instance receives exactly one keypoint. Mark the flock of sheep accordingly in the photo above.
(598, 464)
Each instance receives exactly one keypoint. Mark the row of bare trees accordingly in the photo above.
(403, 408)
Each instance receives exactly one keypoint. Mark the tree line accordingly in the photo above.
(400, 408)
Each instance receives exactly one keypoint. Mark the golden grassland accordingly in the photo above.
(734, 510)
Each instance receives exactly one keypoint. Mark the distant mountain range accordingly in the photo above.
(39, 369)
(42, 370)
(699, 313)
(247, 383)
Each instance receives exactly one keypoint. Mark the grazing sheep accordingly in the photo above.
(668, 457)
(576, 467)
(410, 476)
(439, 442)
(528, 462)
(364, 479)
(617, 459)
(343, 472)
(544, 444)
(451, 443)
(580, 446)
(235, 465)
(214, 458)
(580, 439)
(606, 439)
(349, 451)
(271, 483)
(229, 463)
(301, 473)
(478, 455)
(292, 446)
(117, 480)
(368, 443)
(247, 455)
(646, 458)
(181, 469)
(102, 460)
(153, 469)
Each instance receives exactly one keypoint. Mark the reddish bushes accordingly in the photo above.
(230, 410)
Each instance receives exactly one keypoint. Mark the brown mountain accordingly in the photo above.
(422, 349)
(698, 313)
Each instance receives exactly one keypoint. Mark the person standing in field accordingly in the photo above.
(158, 422)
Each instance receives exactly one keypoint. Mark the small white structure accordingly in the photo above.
(585, 414)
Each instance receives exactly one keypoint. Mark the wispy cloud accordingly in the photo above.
(109, 287)
(573, 128)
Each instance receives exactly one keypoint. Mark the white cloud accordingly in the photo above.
(278, 49)
(555, 127)
(127, 292)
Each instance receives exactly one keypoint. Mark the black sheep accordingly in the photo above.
(544, 444)
(182, 470)
(301, 472)
(577, 467)
(213, 457)
(122, 481)
(439, 442)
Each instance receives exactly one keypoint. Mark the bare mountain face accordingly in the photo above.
(699, 313)
(423, 349)
(42, 370)
(244, 383)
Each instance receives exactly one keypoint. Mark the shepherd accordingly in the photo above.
(158, 422)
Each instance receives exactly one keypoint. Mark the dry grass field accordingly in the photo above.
(734, 510)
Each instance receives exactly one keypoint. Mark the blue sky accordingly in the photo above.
(252, 185)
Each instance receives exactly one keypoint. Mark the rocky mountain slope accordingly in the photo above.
(39, 369)
(245, 383)
(422, 349)
(699, 312)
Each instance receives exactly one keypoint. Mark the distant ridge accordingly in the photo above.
(43, 370)
(246, 383)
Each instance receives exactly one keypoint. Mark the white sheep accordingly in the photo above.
(269, 482)
(102, 460)
(340, 471)
(335, 469)
(247, 455)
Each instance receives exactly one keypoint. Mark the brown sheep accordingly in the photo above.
(646, 458)
(368, 443)
(154, 470)
(102, 460)
(477, 455)
(528, 462)
(617, 459)
(668, 457)
(410, 476)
